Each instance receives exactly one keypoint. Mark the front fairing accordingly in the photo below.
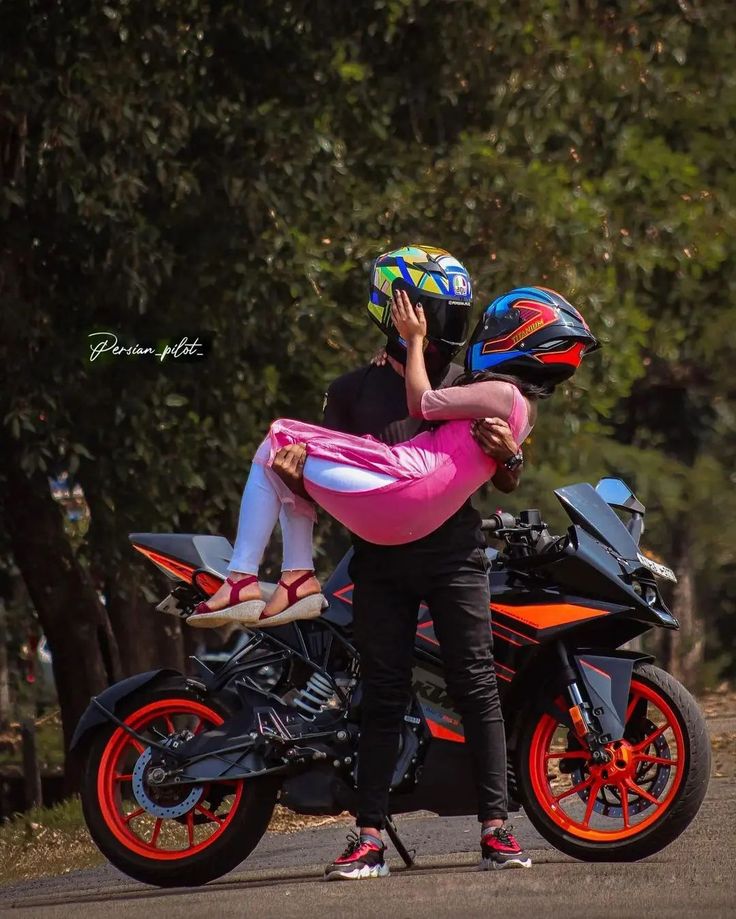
(587, 509)
(584, 567)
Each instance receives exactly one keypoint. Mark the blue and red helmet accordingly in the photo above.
(531, 333)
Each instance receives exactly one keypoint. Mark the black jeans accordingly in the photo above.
(390, 583)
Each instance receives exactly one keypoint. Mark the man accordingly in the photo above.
(447, 569)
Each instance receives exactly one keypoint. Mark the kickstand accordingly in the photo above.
(393, 834)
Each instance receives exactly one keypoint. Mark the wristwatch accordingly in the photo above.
(513, 462)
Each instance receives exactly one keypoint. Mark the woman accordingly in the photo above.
(391, 495)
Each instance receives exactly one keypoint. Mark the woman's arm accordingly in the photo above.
(415, 377)
(488, 399)
(412, 327)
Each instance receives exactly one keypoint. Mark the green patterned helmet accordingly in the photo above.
(433, 278)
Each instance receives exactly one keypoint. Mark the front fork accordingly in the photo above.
(581, 711)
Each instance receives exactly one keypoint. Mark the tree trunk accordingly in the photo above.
(4, 674)
(686, 647)
(83, 648)
(170, 642)
(146, 639)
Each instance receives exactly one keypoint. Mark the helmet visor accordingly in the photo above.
(447, 321)
(497, 324)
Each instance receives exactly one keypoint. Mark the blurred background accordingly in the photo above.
(229, 170)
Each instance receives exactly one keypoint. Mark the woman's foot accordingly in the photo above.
(223, 597)
(280, 600)
(238, 600)
(297, 596)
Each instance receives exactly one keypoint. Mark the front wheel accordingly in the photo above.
(638, 802)
(169, 837)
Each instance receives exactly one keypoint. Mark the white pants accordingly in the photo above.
(261, 506)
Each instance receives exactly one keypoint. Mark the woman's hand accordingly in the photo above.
(409, 320)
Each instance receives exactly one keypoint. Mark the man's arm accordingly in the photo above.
(507, 480)
(496, 440)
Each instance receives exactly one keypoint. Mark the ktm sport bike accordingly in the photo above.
(608, 754)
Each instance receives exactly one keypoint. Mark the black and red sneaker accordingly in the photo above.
(363, 858)
(499, 849)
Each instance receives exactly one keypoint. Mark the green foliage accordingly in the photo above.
(232, 168)
(46, 841)
(49, 747)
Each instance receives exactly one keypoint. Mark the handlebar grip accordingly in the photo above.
(491, 524)
(502, 521)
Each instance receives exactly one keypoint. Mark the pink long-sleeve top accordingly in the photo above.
(435, 472)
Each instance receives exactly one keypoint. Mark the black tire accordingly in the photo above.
(680, 812)
(239, 839)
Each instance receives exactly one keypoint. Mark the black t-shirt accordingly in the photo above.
(372, 400)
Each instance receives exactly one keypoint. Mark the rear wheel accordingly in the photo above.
(169, 836)
(642, 798)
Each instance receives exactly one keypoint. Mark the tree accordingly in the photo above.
(229, 171)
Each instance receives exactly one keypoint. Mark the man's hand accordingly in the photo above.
(288, 464)
(379, 358)
(495, 439)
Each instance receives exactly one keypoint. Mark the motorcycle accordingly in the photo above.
(608, 754)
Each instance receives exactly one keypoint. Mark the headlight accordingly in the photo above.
(661, 571)
(645, 591)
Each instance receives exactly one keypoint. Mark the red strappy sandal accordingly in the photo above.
(309, 607)
(246, 612)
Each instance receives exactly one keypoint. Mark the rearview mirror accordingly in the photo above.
(618, 494)
(614, 491)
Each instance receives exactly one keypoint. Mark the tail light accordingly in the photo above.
(168, 565)
(206, 582)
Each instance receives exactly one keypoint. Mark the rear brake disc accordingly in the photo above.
(167, 801)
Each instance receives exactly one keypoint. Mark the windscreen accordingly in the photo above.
(585, 507)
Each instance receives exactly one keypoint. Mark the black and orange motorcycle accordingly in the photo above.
(608, 755)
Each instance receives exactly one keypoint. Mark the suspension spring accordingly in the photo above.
(315, 696)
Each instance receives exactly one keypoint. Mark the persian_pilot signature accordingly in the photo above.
(108, 343)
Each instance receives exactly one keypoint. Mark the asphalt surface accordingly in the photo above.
(695, 878)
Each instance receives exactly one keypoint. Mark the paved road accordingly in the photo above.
(695, 878)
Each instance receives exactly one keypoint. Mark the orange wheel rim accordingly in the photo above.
(618, 800)
(142, 833)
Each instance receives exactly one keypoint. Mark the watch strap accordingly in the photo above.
(513, 462)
